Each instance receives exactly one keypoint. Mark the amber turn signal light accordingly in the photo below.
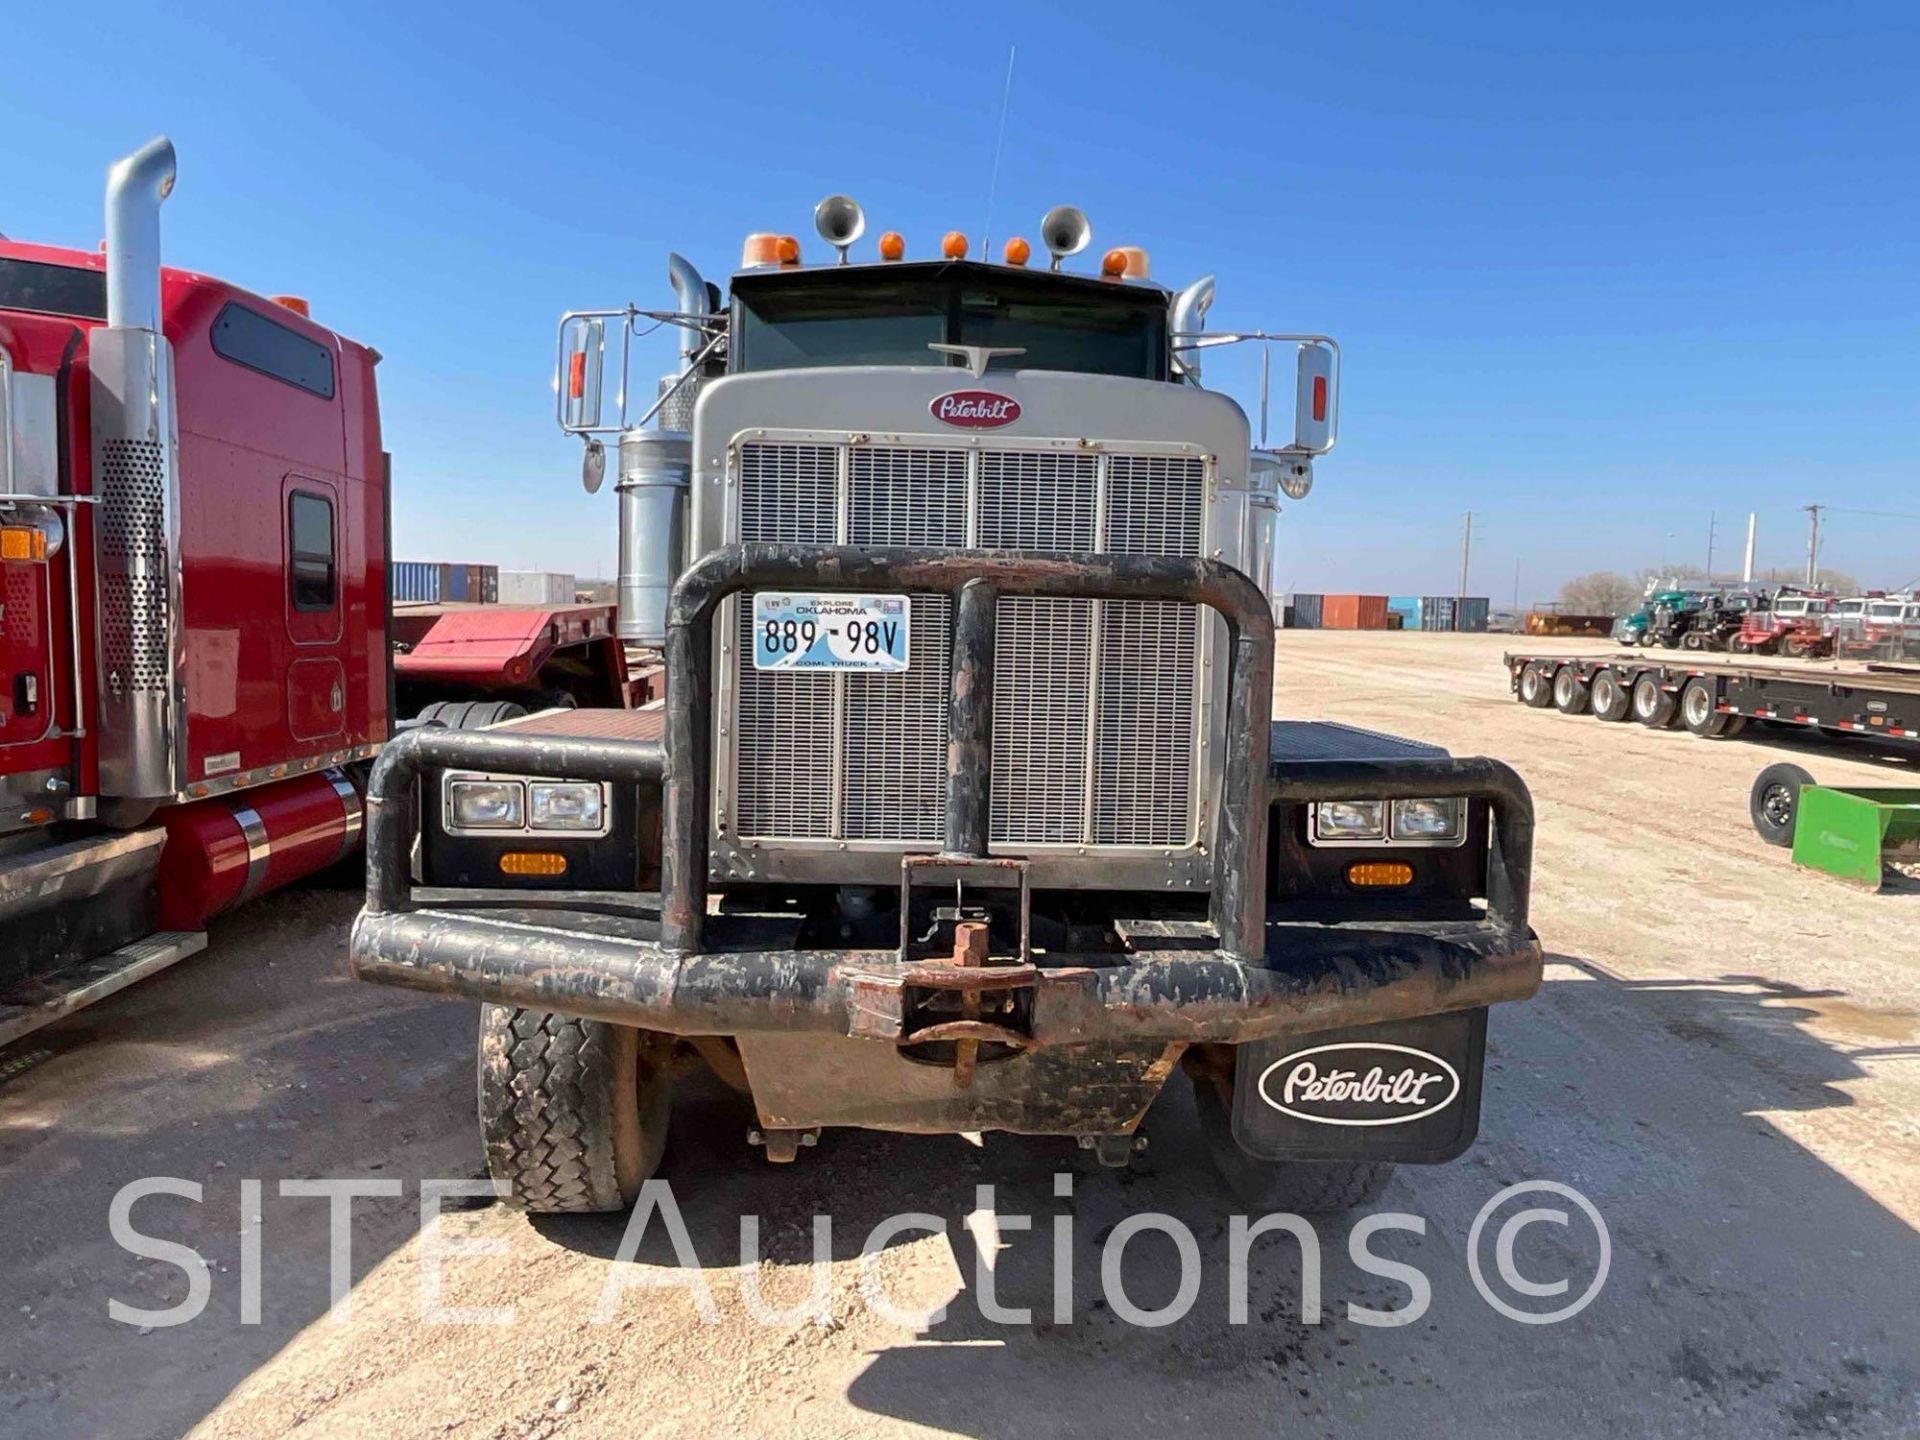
(22, 542)
(533, 862)
(1379, 874)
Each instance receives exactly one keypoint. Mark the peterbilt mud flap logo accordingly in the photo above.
(1360, 1083)
(975, 409)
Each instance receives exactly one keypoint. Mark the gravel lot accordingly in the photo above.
(1725, 1059)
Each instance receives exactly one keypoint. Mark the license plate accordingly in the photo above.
(830, 632)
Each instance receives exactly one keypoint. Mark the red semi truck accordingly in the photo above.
(197, 653)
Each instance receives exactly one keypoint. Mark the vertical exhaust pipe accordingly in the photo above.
(690, 298)
(136, 477)
(136, 187)
(1190, 308)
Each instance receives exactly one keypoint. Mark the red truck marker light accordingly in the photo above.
(576, 374)
(1319, 397)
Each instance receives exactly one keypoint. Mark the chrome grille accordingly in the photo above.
(1143, 785)
(1094, 701)
(791, 493)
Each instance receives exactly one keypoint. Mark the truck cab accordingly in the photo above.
(966, 808)
(193, 550)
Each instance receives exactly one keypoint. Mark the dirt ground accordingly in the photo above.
(1725, 1060)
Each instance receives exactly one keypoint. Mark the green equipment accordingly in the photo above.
(1854, 833)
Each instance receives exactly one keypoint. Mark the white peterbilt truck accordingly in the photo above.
(966, 809)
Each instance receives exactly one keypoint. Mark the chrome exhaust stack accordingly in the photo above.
(136, 477)
(136, 187)
(1190, 308)
(655, 479)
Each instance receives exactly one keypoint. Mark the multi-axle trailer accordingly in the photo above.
(1716, 698)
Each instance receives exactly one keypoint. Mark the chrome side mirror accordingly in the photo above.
(1316, 400)
(583, 343)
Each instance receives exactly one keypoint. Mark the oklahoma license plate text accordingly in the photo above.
(829, 632)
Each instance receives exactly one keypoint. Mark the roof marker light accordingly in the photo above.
(759, 248)
(1018, 251)
(893, 245)
(1113, 264)
(953, 245)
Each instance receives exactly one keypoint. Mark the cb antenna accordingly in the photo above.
(1000, 144)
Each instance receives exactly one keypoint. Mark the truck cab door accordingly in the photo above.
(312, 526)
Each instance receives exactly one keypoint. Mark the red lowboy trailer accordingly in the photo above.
(196, 649)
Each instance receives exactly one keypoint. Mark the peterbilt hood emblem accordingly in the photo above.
(975, 409)
(1359, 1083)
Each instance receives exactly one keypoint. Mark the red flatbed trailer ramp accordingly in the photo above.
(497, 647)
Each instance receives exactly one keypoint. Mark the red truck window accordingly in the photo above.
(310, 562)
(249, 338)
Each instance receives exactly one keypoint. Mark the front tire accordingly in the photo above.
(573, 1116)
(1300, 1187)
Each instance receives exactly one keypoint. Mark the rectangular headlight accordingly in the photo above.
(486, 804)
(1431, 821)
(1349, 820)
(567, 805)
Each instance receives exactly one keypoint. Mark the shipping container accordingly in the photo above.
(536, 587)
(455, 585)
(1407, 607)
(486, 587)
(1353, 612)
(1470, 615)
(415, 581)
(1436, 612)
(1306, 611)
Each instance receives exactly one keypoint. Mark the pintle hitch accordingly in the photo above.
(966, 1007)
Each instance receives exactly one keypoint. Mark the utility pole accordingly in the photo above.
(1813, 542)
(1710, 530)
(1466, 550)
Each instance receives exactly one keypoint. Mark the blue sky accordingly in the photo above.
(1597, 273)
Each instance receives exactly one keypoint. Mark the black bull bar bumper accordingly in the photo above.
(686, 972)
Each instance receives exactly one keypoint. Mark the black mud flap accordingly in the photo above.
(1407, 1091)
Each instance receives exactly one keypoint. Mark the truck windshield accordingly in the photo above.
(863, 317)
(53, 289)
(1884, 611)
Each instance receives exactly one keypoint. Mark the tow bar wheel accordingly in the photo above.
(1774, 802)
